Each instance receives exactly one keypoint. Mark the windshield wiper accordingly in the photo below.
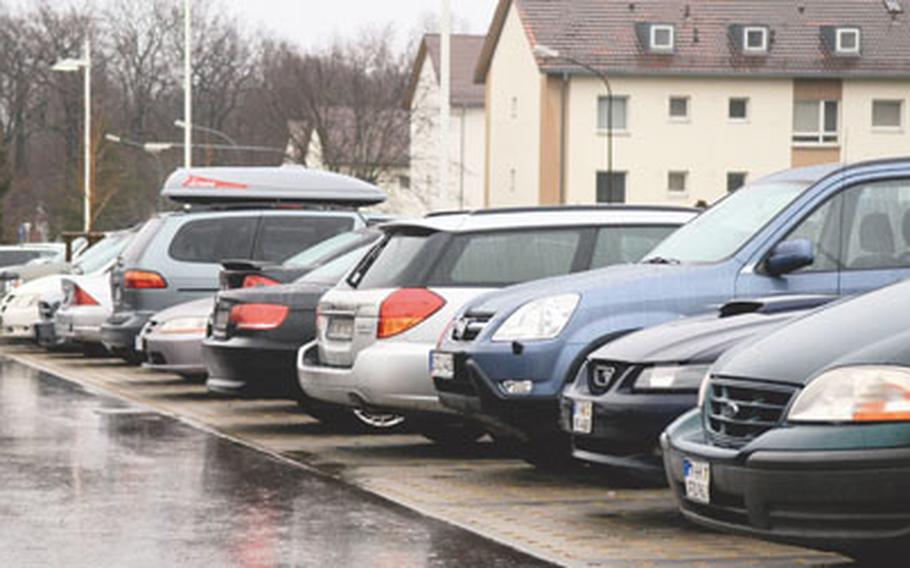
(661, 260)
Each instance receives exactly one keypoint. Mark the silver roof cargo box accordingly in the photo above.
(286, 184)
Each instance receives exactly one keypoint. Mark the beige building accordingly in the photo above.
(707, 94)
(466, 144)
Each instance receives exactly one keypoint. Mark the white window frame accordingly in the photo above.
(684, 118)
(838, 41)
(879, 128)
(675, 192)
(764, 45)
(737, 119)
(818, 138)
(616, 129)
(653, 37)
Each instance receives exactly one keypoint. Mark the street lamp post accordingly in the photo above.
(187, 84)
(546, 52)
(445, 112)
(85, 65)
(181, 124)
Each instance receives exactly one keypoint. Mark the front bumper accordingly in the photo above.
(832, 498)
(626, 426)
(174, 353)
(247, 368)
(392, 376)
(19, 321)
(118, 333)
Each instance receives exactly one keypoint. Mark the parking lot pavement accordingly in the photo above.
(579, 518)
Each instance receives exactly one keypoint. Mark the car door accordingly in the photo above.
(823, 227)
(876, 237)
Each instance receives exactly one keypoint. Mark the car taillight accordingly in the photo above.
(83, 298)
(258, 316)
(258, 281)
(142, 280)
(406, 308)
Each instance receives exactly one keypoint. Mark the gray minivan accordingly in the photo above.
(262, 214)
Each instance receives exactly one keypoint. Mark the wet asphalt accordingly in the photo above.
(87, 480)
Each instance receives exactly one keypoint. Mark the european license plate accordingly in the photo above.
(698, 480)
(442, 365)
(341, 329)
(583, 417)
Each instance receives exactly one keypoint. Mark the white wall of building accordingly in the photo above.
(860, 139)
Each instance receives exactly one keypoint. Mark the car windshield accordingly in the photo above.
(311, 255)
(720, 231)
(102, 253)
(331, 272)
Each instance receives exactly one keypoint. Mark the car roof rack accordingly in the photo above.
(284, 186)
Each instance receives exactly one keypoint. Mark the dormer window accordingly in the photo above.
(847, 41)
(662, 37)
(755, 39)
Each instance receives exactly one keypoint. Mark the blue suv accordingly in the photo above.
(821, 230)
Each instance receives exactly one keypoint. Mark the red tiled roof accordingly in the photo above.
(602, 34)
(465, 52)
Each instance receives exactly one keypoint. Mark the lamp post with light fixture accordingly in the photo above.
(545, 52)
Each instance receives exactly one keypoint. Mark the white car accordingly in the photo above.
(30, 308)
(87, 303)
(376, 329)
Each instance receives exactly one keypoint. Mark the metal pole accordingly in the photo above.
(606, 82)
(444, 102)
(87, 182)
(187, 84)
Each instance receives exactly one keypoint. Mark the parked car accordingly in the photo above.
(376, 329)
(821, 230)
(51, 260)
(12, 255)
(803, 433)
(176, 257)
(251, 348)
(28, 311)
(629, 390)
(252, 274)
(171, 340)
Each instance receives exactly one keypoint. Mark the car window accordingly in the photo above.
(214, 240)
(101, 253)
(311, 255)
(504, 258)
(282, 237)
(823, 229)
(14, 257)
(622, 245)
(879, 236)
(138, 243)
(398, 260)
(332, 271)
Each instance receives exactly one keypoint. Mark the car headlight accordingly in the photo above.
(671, 378)
(189, 324)
(855, 394)
(539, 319)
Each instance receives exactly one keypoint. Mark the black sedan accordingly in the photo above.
(803, 434)
(628, 391)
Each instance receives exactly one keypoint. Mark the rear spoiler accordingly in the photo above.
(269, 185)
(244, 264)
(773, 304)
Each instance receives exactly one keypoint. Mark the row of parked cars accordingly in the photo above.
(752, 356)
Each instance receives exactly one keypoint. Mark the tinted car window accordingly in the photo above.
(506, 257)
(282, 237)
(323, 249)
(13, 257)
(879, 236)
(622, 245)
(397, 260)
(213, 240)
(332, 271)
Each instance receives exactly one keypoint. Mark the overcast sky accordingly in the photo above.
(313, 23)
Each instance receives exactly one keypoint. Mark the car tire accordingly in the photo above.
(334, 416)
(448, 433)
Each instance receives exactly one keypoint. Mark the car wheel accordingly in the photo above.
(378, 420)
(450, 434)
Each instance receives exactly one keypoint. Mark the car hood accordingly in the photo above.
(699, 339)
(869, 329)
(298, 296)
(196, 308)
(625, 277)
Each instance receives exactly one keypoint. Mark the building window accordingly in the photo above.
(735, 180)
(815, 122)
(404, 182)
(888, 114)
(755, 39)
(611, 188)
(677, 182)
(738, 109)
(513, 107)
(662, 37)
(847, 41)
(679, 108)
(619, 114)
(512, 180)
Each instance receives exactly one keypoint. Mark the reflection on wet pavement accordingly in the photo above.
(87, 480)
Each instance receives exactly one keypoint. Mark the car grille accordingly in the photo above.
(738, 411)
(469, 326)
(602, 375)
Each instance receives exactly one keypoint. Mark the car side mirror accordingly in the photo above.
(789, 256)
